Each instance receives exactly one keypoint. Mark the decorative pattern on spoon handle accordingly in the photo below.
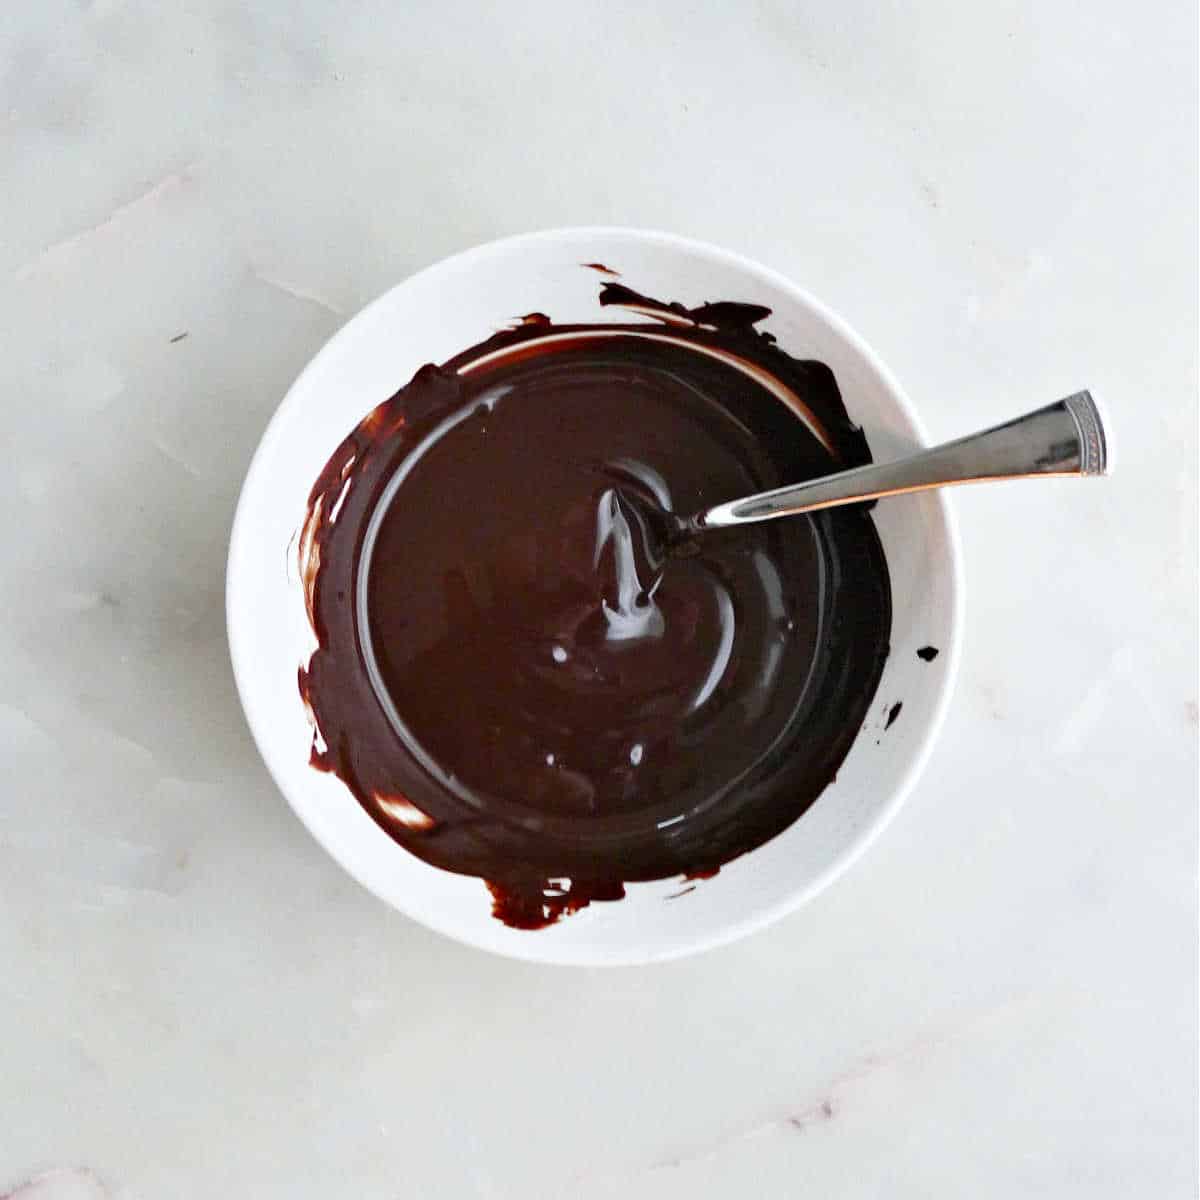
(1093, 446)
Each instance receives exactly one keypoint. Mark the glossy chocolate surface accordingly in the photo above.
(505, 684)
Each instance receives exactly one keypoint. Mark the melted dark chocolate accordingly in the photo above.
(501, 683)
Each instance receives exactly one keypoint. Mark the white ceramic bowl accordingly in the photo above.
(456, 304)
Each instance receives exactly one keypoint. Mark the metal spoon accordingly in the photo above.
(1065, 438)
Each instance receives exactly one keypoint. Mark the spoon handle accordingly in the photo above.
(1065, 438)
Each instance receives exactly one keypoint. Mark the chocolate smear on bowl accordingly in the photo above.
(501, 680)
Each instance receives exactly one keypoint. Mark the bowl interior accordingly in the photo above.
(429, 318)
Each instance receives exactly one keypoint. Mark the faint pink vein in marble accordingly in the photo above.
(62, 253)
(69, 1183)
(174, 457)
(296, 291)
(829, 1097)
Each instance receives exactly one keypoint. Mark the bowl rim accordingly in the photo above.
(530, 950)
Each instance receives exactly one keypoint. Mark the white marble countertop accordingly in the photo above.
(999, 1001)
